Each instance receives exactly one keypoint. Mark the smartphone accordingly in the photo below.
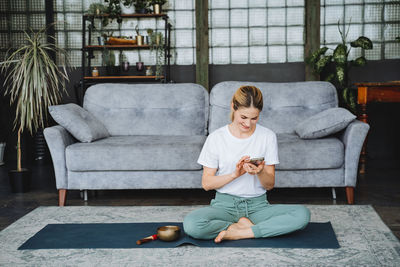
(256, 161)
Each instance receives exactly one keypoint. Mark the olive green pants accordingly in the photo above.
(269, 220)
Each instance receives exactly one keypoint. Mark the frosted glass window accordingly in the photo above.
(276, 16)
(295, 53)
(220, 37)
(239, 18)
(276, 35)
(275, 54)
(248, 29)
(240, 55)
(257, 17)
(258, 54)
(258, 36)
(17, 16)
(239, 37)
(295, 35)
(376, 19)
(295, 16)
(221, 55)
(220, 18)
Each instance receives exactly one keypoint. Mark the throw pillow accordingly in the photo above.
(325, 123)
(80, 123)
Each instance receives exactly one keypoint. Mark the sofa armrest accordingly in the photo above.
(353, 138)
(58, 138)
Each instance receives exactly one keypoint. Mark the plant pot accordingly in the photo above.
(141, 11)
(2, 147)
(20, 181)
(127, 10)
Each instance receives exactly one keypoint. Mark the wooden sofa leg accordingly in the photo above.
(62, 197)
(350, 194)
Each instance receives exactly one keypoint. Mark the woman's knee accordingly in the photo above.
(191, 225)
(303, 215)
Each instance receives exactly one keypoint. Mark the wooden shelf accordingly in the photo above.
(121, 77)
(99, 47)
(131, 15)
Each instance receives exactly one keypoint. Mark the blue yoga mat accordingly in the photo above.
(125, 235)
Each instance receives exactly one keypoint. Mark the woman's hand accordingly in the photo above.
(239, 171)
(252, 168)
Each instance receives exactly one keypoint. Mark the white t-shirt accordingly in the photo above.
(222, 150)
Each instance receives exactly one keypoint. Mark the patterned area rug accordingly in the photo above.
(365, 241)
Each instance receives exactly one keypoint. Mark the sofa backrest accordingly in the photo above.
(285, 104)
(149, 109)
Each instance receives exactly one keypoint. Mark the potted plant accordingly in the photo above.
(157, 5)
(34, 82)
(113, 10)
(139, 38)
(109, 61)
(141, 6)
(127, 7)
(337, 66)
(98, 10)
(157, 46)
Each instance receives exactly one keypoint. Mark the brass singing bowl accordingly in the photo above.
(169, 232)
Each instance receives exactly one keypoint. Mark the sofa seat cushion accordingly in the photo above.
(304, 154)
(130, 153)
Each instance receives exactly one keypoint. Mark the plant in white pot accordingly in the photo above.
(34, 82)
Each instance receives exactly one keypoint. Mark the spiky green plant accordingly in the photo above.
(34, 82)
(341, 66)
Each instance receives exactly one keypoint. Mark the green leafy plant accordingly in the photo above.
(113, 10)
(157, 43)
(98, 10)
(337, 65)
(141, 6)
(158, 2)
(34, 82)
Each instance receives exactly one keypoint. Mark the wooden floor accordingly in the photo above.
(379, 187)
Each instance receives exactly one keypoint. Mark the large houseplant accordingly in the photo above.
(336, 67)
(34, 82)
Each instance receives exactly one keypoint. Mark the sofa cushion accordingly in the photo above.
(285, 104)
(325, 123)
(301, 154)
(80, 123)
(149, 109)
(130, 153)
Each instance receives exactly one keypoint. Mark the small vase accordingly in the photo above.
(149, 71)
(139, 39)
(157, 9)
(125, 66)
(139, 66)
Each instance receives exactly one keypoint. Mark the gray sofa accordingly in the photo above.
(157, 132)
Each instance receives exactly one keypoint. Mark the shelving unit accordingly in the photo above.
(88, 48)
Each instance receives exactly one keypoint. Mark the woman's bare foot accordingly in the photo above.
(240, 230)
(244, 223)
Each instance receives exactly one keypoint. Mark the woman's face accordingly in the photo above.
(245, 119)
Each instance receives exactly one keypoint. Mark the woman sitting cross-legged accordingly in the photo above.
(240, 208)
